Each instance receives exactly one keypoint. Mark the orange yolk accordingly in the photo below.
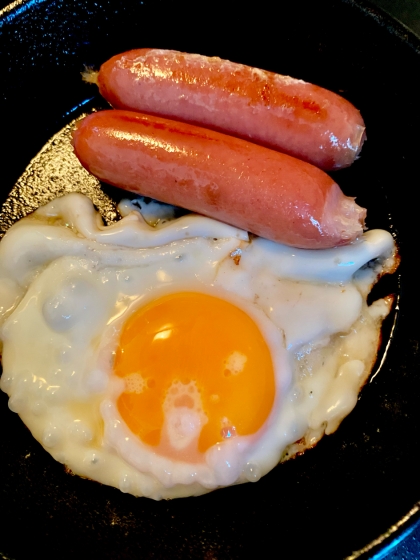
(200, 355)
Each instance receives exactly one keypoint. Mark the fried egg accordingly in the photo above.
(171, 359)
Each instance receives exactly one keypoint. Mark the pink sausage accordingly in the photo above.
(292, 116)
(268, 193)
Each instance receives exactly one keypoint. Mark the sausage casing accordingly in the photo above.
(289, 115)
(263, 191)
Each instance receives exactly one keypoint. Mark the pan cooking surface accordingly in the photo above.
(357, 483)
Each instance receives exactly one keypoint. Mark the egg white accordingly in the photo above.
(68, 284)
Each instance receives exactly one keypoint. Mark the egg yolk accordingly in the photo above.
(197, 371)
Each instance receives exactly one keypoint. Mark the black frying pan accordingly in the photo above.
(338, 498)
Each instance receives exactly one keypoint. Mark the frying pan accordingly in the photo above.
(341, 499)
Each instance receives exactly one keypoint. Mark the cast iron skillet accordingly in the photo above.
(343, 496)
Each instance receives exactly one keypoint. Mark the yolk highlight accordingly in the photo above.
(199, 356)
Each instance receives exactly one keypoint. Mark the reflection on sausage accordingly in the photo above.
(263, 191)
(289, 115)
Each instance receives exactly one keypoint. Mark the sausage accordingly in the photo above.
(289, 115)
(263, 191)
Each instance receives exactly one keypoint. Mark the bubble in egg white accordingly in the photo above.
(6, 382)
(63, 310)
(16, 403)
(252, 472)
(124, 483)
(51, 436)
